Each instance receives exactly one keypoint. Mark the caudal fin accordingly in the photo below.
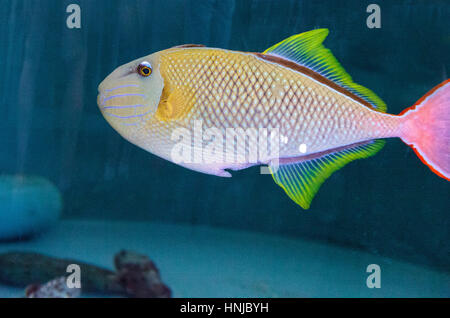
(426, 128)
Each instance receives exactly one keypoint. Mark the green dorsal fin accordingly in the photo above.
(307, 50)
(301, 180)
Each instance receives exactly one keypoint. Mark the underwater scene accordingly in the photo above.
(225, 148)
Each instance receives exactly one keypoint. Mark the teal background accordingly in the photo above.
(390, 204)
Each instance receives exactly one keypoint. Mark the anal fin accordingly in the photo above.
(302, 179)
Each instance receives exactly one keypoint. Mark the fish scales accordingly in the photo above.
(226, 89)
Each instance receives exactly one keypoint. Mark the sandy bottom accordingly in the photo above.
(209, 262)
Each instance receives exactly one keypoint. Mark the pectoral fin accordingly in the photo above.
(173, 105)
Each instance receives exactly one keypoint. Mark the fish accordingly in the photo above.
(292, 109)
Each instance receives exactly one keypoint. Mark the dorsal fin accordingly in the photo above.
(307, 71)
(182, 46)
(306, 49)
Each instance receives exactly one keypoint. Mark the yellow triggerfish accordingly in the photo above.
(292, 108)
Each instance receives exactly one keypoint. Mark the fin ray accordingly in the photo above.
(302, 180)
(307, 50)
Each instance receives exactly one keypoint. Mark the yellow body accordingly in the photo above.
(228, 89)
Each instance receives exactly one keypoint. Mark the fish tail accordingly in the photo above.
(426, 128)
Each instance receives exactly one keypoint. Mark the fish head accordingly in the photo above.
(130, 95)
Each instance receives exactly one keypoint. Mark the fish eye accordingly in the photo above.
(144, 69)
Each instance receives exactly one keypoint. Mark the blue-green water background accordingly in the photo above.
(390, 204)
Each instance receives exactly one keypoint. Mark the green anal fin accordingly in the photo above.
(301, 180)
(306, 49)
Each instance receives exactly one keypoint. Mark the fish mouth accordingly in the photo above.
(100, 98)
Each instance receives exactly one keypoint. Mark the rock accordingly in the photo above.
(56, 288)
(136, 275)
(139, 276)
(28, 205)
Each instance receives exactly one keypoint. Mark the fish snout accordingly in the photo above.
(122, 101)
(102, 91)
(100, 97)
(126, 97)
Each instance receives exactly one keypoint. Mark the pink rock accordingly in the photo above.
(56, 288)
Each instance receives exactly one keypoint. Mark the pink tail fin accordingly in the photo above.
(426, 128)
